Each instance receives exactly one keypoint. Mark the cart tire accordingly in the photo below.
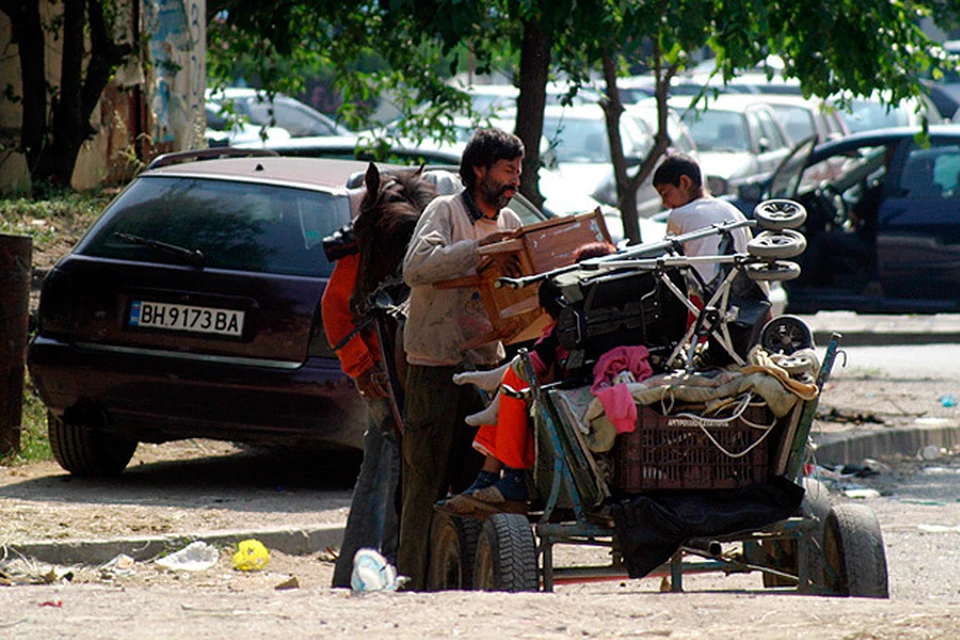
(453, 548)
(782, 554)
(853, 550)
(775, 215)
(786, 334)
(506, 555)
(776, 271)
(777, 245)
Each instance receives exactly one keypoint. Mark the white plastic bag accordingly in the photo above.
(196, 556)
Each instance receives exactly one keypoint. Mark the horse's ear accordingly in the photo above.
(419, 172)
(372, 179)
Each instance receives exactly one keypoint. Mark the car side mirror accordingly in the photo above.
(763, 144)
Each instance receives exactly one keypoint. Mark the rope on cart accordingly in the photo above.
(703, 422)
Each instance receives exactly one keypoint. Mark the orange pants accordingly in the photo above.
(510, 440)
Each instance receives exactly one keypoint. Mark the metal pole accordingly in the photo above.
(15, 269)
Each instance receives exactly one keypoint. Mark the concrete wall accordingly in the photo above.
(166, 89)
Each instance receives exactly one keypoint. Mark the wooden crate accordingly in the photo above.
(515, 314)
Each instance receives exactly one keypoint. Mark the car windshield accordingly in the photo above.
(798, 121)
(786, 178)
(236, 225)
(717, 130)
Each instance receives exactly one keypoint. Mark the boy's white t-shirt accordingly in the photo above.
(704, 212)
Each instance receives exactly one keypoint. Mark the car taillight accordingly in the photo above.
(55, 304)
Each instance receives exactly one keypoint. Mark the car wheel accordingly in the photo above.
(777, 245)
(85, 451)
(776, 215)
(773, 271)
(786, 334)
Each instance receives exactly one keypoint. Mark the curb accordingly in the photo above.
(855, 338)
(295, 541)
(831, 449)
(841, 448)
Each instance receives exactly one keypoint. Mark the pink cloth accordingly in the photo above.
(616, 399)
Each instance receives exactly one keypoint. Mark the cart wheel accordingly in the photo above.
(453, 547)
(782, 554)
(786, 334)
(506, 555)
(776, 271)
(777, 245)
(854, 553)
(779, 214)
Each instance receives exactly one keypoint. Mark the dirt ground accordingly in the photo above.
(173, 488)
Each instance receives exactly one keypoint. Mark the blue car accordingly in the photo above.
(883, 226)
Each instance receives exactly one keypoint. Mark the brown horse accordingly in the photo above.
(388, 215)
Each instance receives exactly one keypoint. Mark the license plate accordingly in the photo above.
(182, 317)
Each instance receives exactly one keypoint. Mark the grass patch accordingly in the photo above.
(34, 443)
(54, 222)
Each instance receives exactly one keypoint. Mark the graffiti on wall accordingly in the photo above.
(177, 40)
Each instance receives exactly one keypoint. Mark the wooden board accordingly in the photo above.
(515, 313)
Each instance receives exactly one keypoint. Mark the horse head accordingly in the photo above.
(388, 215)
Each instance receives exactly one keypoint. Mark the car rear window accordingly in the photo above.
(237, 225)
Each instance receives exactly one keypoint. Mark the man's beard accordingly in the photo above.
(494, 193)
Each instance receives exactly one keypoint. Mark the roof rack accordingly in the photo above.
(214, 153)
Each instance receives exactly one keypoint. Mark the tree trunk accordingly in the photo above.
(626, 194)
(52, 154)
(69, 130)
(534, 67)
(28, 33)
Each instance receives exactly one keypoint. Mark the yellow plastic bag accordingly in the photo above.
(251, 555)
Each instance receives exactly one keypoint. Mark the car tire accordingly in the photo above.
(777, 245)
(85, 451)
(776, 215)
(777, 271)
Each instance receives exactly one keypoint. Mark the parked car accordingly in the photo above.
(873, 112)
(223, 131)
(883, 221)
(738, 139)
(645, 115)
(804, 118)
(254, 106)
(191, 308)
(561, 197)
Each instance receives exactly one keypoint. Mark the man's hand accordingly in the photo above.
(494, 237)
(372, 383)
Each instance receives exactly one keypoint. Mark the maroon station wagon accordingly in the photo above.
(191, 308)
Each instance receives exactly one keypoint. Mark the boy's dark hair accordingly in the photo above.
(676, 165)
(485, 147)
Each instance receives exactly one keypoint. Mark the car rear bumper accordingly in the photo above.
(157, 398)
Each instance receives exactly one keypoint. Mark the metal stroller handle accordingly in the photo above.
(648, 250)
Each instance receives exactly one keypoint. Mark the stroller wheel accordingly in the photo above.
(773, 271)
(779, 214)
(777, 245)
(786, 334)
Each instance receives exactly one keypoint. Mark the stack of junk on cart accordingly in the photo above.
(693, 462)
